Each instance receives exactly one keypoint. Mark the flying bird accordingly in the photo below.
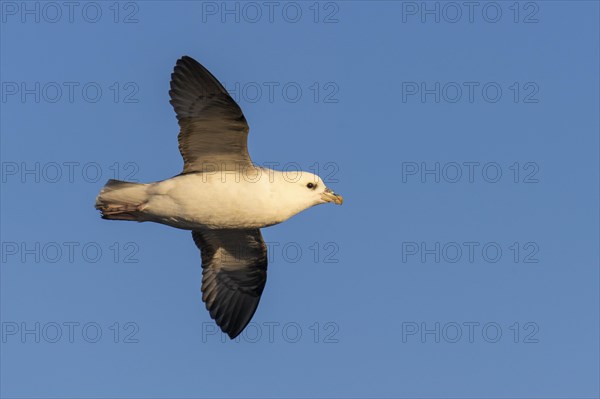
(220, 195)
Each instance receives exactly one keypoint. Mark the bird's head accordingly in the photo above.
(312, 187)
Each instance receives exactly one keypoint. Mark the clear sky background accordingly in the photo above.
(463, 263)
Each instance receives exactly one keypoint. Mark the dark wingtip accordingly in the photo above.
(236, 329)
(233, 335)
(186, 59)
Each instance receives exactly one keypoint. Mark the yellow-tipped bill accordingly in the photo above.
(329, 196)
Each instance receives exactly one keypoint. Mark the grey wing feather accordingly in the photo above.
(234, 273)
(213, 130)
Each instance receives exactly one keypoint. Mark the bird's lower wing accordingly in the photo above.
(234, 273)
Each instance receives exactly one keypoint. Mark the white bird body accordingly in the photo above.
(230, 200)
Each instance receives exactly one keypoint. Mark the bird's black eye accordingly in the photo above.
(311, 185)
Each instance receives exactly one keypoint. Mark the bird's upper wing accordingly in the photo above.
(234, 273)
(213, 130)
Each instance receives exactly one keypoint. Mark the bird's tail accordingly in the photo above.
(120, 200)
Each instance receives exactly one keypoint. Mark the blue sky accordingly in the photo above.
(463, 263)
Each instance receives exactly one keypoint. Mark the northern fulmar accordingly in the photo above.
(220, 195)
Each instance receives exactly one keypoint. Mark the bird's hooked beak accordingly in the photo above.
(329, 196)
